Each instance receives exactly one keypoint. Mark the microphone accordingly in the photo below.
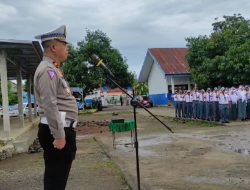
(97, 62)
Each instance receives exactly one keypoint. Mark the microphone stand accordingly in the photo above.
(135, 103)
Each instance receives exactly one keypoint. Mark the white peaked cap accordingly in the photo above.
(57, 34)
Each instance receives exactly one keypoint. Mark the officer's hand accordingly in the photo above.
(59, 143)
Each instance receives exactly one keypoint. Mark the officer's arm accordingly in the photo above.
(48, 84)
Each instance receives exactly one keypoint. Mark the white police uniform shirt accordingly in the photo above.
(53, 96)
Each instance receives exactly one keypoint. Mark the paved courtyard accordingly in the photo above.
(198, 156)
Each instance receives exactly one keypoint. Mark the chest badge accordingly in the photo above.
(66, 87)
(51, 74)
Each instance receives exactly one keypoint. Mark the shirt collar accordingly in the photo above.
(49, 60)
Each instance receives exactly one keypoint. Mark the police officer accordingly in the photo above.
(58, 111)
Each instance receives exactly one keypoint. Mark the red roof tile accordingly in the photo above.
(171, 60)
(115, 90)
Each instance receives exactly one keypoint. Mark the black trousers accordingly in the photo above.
(57, 162)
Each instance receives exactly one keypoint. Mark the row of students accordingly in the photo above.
(222, 104)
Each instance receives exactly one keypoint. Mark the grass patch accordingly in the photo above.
(149, 125)
(90, 141)
(113, 167)
(1, 143)
(38, 163)
(195, 123)
(200, 124)
(87, 111)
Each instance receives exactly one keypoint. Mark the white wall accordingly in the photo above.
(156, 81)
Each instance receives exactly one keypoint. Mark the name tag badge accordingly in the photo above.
(64, 83)
(65, 86)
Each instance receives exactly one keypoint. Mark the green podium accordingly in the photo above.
(118, 127)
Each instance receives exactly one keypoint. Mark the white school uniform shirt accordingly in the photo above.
(178, 97)
(223, 98)
(202, 97)
(188, 98)
(229, 98)
(193, 96)
(244, 96)
(206, 97)
(197, 95)
(248, 95)
(181, 97)
(215, 97)
(233, 98)
(241, 95)
(210, 96)
(175, 97)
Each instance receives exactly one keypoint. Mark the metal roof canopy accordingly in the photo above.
(18, 60)
(26, 54)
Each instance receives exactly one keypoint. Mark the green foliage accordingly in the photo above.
(79, 74)
(26, 87)
(223, 58)
(13, 99)
(140, 88)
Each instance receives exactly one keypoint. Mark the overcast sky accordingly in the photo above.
(133, 25)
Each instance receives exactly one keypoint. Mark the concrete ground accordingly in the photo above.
(92, 169)
(198, 156)
(18, 139)
(15, 129)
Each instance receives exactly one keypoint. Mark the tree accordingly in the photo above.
(26, 86)
(223, 58)
(78, 74)
(12, 96)
(140, 88)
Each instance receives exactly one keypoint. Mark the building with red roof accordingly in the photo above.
(165, 70)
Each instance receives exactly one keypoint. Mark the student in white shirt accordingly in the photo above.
(215, 105)
(242, 103)
(195, 104)
(223, 106)
(202, 104)
(188, 100)
(248, 102)
(208, 100)
(233, 104)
